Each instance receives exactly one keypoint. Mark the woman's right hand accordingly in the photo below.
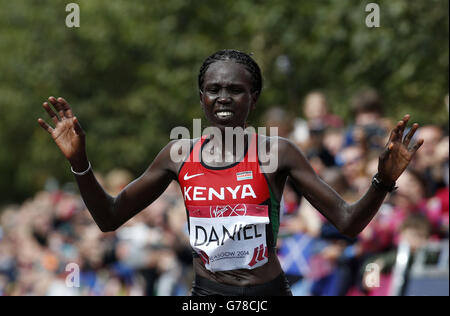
(67, 133)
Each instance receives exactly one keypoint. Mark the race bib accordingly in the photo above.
(229, 237)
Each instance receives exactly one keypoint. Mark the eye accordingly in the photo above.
(212, 89)
(236, 90)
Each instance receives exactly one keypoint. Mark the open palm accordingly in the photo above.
(67, 133)
(398, 152)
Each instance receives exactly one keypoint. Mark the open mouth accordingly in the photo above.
(224, 115)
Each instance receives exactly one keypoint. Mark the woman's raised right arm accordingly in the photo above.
(108, 212)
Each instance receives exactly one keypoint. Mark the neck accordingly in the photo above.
(230, 142)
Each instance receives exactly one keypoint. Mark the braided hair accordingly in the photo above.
(238, 57)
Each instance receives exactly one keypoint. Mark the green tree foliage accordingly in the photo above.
(130, 70)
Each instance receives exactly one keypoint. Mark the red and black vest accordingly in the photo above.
(233, 216)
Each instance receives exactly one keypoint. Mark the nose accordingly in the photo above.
(223, 96)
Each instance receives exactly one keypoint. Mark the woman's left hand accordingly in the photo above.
(398, 152)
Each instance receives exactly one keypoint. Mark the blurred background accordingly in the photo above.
(331, 84)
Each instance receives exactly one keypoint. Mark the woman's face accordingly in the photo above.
(410, 192)
(227, 96)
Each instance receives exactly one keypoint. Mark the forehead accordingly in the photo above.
(226, 73)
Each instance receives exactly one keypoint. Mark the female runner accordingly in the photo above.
(232, 208)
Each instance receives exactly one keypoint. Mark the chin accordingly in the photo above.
(222, 123)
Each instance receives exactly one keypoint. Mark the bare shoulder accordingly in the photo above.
(176, 152)
(273, 151)
(179, 145)
(281, 144)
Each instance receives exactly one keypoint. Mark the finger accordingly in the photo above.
(410, 134)
(387, 151)
(395, 133)
(416, 146)
(399, 128)
(402, 125)
(391, 136)
(45, 126)
(77, 126)
(58, 107)
(406, 118)
(66, 107)
(50, 112)
(405, 123)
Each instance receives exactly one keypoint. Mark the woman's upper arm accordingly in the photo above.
(140, 193)
(315, 190)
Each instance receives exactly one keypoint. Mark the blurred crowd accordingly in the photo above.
(317, 259)
(41, 239)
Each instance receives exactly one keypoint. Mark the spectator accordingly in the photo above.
(279, 118)
(317, 118)
(414, 232)
(431, 161)
(42, 236)
(369, 129)
(352, 160)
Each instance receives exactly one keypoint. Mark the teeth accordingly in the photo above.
(224, 114)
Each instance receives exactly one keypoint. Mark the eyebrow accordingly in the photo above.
(227, 85)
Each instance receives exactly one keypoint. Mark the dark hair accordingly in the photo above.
(238, 57)
(417, 222)
(367, 101)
